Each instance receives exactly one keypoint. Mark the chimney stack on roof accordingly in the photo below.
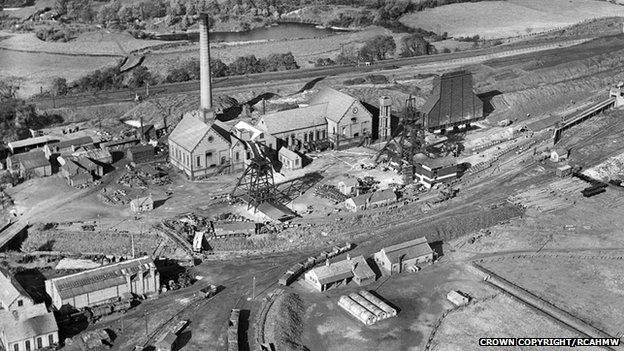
(205, 109)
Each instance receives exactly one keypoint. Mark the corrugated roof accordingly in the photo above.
(72, 142)
(31, 160)
(141, 148)
(452, 100)
(98, 278)
(27, 322)
(334, 272)
(72, 167)
(10, 289)
(383, 195)
(30, 141)
(337, 102)
(291, 155)
(294, 119)
(87, 164)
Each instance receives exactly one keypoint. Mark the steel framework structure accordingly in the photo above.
(257, 182)
(409, 140)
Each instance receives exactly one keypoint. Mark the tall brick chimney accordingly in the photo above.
(205, 108)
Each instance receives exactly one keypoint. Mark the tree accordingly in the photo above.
(218, 68)
(59, 86)
(245, 65)
(416, 45)
(140, 77)
(378, 48)
(281, 62)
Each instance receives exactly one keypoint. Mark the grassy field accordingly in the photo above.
(589, 289)
(499, 317)
(495, 19)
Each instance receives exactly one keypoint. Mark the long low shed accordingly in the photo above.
(379, 303)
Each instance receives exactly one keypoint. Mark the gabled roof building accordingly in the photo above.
(29, 328)
(331, 117)
(103, 284)
(200, 149)
(340, 273)
(400, 257)
(33, 162)
(12, 294)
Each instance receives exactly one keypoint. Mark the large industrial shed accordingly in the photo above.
(33, 162)
(398, 258)
(452, 102)
(100, 285)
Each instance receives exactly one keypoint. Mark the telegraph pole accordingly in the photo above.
(253, 290)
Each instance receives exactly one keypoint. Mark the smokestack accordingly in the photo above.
(204, 69)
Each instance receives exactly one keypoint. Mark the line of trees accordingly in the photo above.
(380, 48)
(112, 78)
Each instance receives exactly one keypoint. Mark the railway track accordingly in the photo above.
(262, 79)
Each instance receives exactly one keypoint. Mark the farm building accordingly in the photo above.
(141, 153)
(95, 286)
(431, 171)
(398, 258)
(290, 159)
(66, 147)
(357, 203)
(457, 298)
(349, 186)
(28, 328)
(381, 198)
(12, 294)
(340, 273)
(142, 204)
(452, 102)
(332, 117)
(32, 162)
(559, 154)
(25, 145)
(199, 149)
(233, 228)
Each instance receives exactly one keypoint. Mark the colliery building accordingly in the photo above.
(108, 283)
(401, 257)
(24, 325)
(332, 118)
(452, 102)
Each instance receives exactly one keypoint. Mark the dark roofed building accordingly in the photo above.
(66, 146)
(429, 171)
(452, 101)
(276, 211)
(397, 258)
(141, 153)
(32, 162)
(25, 145)
(95, 286)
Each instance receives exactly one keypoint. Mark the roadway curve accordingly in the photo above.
(230, 84)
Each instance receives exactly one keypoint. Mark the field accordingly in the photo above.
(498, 19)
(502, 315)
(588, 288)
